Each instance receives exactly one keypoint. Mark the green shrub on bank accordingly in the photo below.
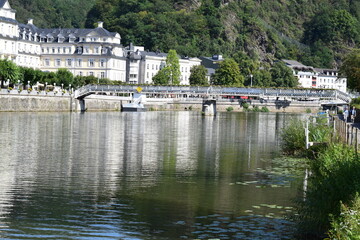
(293, 135)
(229, 109)
(245, 105)
(265, 109)
(256, 109)
(347, 225)
(335, 178)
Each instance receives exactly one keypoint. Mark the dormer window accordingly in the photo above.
(72, 38)
(61, 39)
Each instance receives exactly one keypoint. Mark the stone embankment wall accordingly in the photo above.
(46, 103)
(19, 103)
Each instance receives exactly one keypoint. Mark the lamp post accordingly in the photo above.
(70, 88)
(28, 86)
(251, 76)
(18, 84)
(62, 86)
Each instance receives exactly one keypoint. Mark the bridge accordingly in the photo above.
(216, 92)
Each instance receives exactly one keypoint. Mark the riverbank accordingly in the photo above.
(56, 102)
(330, 204)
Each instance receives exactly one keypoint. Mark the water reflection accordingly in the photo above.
(154, 175)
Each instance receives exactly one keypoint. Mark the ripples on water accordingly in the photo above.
(153, 175)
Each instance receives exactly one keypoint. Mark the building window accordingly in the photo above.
(69, 62)
(102, 62)
(58, 62)
(86, 49)
(96, 49)
(47, 62)
(91, 62)
(53, 50)
(102, 74)
(79, 62)
(147, 75)
(91, 73)
(147, 66)
(80, 73)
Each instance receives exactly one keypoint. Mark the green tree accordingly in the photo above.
(351, 69)
(282, 76)
(64, 76)
(172, 63)
(31, 76)
(8, 71)
(228, 73)
(162, 77)
(198, 75)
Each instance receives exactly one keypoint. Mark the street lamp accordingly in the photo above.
(70, 88)
(62, 86)
(18, 84)
(251, 76)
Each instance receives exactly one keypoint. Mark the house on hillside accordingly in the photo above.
(310, 77)
(211, 64)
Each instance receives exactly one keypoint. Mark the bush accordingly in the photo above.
(347, 226)
(335, 179)
(308, 110)
(245, 105)
(256, 109)
(293, 137)
(265, 109)
(229, 109)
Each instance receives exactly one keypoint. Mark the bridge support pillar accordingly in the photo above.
(82, 105)
(209, 107)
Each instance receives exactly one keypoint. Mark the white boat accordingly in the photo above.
(136, 105)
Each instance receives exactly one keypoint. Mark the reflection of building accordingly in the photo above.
(85, 52)
(310, 77)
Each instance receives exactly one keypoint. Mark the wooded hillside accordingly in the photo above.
(315, 32)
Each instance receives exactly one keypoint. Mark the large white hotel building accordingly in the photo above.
(85, 52)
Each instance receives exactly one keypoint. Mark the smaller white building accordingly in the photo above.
(143, 65)
(310, 77)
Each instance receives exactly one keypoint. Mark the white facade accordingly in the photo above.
(310, 77)
(84, 52)
(144, 65)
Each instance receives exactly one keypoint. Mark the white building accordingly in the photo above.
(310, 77)
(85, 52)
(144, 65)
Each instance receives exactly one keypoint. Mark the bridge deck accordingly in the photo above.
(217, 92)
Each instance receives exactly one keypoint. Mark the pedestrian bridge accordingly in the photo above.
(216, 92)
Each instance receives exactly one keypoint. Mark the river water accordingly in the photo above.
(152, 175)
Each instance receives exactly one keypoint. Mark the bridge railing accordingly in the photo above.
(218, 91)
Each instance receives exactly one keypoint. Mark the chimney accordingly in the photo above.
(30, 21)
(100, 24)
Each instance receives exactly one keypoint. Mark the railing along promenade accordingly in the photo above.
(347, 132)
(174, 91)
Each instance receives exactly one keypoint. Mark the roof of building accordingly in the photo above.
(153, 54)
(10, 20)
(2, 3)
(297, 65)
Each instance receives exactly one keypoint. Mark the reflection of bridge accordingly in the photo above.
(217, 92)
